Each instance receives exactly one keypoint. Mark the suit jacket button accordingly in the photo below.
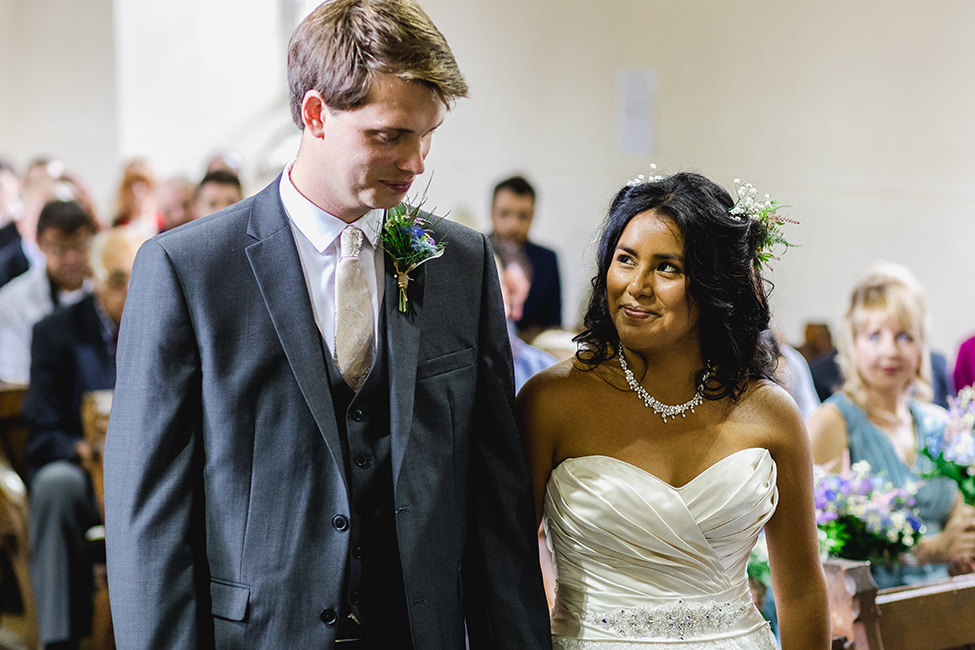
(340, 523)
(328, 616)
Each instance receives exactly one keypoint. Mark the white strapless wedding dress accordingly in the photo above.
(643, 564)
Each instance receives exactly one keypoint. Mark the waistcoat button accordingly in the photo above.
(328, 616)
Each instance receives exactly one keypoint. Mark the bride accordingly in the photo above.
(660, 452)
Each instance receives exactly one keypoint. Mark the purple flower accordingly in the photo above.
(425, 244)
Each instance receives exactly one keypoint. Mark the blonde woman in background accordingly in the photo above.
(882, 415)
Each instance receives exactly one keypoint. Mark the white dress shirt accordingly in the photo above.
(316, 234)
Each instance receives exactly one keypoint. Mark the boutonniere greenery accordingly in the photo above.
(409, 244)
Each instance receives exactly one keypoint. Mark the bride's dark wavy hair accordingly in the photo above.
(724, 279)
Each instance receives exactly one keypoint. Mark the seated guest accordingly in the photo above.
(512, 212)
(515, 285)
(828, 378)
(64, 232)
(792, 373)
(219, 189)
(817, 341)
(826, 374)
(558, 342)
(135, 201)
(881, 416)
(73, 352)
(175, 196)
(964, 372)
(44, 182)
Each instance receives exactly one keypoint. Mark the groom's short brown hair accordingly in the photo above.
(342, 44)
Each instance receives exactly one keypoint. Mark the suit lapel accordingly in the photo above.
(277, 267)
(403, 341)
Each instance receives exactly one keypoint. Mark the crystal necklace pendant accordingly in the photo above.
(666, 411)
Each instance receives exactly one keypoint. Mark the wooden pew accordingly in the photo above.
(19, 629)
(95, 407)
(936, 616)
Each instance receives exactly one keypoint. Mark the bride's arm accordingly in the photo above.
(538, 420)
(798, 584)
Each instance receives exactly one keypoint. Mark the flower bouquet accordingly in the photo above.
(953, 452)
(863, 517)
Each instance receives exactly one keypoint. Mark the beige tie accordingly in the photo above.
(353, 313)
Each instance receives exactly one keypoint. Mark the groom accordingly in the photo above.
(291, 461)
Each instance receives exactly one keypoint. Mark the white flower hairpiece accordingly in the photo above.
(765, 212)
(639, 180)
(748, 206)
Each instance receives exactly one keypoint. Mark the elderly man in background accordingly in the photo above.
(515, 276)
(64, 232)
(73, 352)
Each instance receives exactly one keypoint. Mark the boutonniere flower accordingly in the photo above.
(408, 243)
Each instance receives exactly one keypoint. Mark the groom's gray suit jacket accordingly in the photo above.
(224, 465)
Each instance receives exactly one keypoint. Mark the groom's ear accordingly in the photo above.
(314, 113)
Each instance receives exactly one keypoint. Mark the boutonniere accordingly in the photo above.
(408, 244)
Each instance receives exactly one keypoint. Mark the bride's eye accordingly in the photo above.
(669, 267)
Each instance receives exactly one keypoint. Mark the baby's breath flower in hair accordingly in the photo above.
(764, 211)
(640, 179)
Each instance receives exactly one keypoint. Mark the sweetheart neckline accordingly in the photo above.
(657, 478)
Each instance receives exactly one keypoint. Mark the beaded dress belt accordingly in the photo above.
(677, 621)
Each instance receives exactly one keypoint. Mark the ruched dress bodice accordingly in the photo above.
(641, 562)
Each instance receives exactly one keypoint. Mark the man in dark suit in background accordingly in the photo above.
(291, 464)
(512, 213)
(72, 353)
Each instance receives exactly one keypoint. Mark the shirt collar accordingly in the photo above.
(317, 225)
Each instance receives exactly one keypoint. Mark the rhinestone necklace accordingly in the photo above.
(666, 411)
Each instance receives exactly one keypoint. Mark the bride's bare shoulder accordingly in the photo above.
(563, 378)
(769, 411)
(559, 387)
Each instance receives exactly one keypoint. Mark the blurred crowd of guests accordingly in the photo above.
(64, 274)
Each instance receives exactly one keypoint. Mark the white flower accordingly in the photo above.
(860, 467)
